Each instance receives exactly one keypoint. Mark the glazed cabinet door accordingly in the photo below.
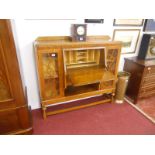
(112, 60)
(113, 55)
(50, 73)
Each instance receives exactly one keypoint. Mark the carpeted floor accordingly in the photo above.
(106, 118)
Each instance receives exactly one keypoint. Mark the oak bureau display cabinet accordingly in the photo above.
(70, 70)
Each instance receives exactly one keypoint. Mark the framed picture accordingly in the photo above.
(128, 22)
(95, 21)
(149, 25)
(129, 38)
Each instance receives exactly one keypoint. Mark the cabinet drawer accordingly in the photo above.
(147, 90)
(147, 94)
(149, 71)
(148, 81)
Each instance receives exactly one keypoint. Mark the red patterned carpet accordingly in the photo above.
(102, 119)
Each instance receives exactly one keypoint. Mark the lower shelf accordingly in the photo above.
(56, 109)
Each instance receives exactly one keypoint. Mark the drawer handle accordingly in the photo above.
(149, 68)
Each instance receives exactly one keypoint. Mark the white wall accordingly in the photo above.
(26, 31)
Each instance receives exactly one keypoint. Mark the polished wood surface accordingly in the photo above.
(5, 92)
(88, 75)
(145, 63)
(74, 70)
(68, 38)
(142, 80)
(14, 111)
(65, 42)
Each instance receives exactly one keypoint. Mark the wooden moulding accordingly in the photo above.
(68, 38)
(77, 97)
(61, 42)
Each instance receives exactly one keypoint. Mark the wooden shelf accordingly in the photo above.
(69, 106)
(50, 77)
(81, 89)
(81, 64)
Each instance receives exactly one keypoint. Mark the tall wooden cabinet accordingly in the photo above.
(142, 80)
(73, 70)
(14, 112)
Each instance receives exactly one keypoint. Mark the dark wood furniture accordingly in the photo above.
(15, 117)
(142, 80)
(73, 70)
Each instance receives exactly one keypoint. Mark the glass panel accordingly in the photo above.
(50, 75)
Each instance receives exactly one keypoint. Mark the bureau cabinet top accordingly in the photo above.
(144, 63)
(63, 41)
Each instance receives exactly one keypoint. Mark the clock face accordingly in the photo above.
(80, 30)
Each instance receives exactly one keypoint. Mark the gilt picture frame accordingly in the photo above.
(128, 22)
(129, 39)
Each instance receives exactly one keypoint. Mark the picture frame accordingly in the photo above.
(94, 21)
(149, 25)
(129, 38)
(128, 22)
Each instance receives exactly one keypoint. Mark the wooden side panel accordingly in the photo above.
(5, 93)
(14, 112)
(14, 121)
(8, 121)
(11, 62)
(134, 84)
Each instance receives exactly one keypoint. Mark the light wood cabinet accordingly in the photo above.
(73, 70)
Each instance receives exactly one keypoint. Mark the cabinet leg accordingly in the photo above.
(44, 112)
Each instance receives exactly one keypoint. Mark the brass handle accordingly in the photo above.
(149, 69)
